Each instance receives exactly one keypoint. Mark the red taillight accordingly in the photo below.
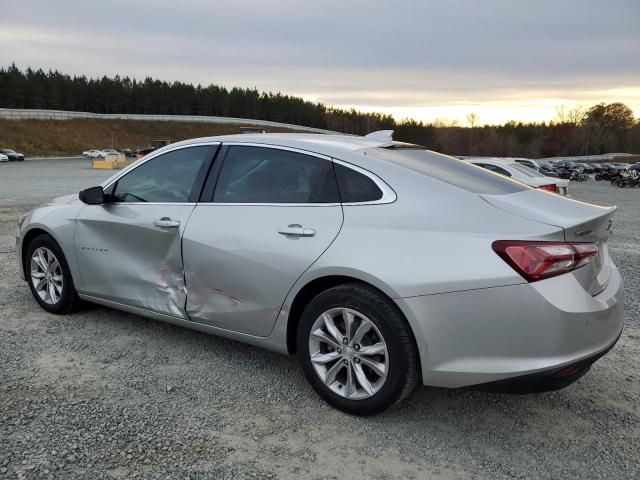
(538, 260)
(552, 187)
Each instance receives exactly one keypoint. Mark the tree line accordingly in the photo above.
(602, 128)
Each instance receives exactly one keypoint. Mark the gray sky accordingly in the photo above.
(424, 59)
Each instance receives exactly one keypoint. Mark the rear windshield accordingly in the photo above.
(529, 172)
(450, 170)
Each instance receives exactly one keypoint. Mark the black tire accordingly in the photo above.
(68, 300)
(403, 360)
(598, 178)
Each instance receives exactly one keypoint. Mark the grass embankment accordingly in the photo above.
(71, 137)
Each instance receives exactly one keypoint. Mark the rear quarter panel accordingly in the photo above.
(434, 238)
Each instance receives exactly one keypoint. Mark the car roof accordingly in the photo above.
(314, 142)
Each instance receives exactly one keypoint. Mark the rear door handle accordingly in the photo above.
(297, 230)
(166, 222)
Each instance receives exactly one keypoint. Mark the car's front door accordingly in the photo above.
(129, 249)
(273, 212)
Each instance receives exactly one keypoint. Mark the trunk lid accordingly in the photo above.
(580, 221)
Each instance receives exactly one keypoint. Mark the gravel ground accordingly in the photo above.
(105, 394)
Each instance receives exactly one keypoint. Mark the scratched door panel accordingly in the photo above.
(239, 268)
(124, 257)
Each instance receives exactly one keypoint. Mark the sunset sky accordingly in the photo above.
(428, 60)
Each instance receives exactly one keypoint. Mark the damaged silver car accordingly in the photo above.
(381, 264)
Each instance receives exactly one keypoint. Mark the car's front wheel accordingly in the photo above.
(357, 350)
(49, 277)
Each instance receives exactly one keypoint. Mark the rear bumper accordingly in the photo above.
(547, 380)
(492, 334)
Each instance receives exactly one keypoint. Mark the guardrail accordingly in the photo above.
(23, 114)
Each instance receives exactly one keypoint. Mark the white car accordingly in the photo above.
(106, 152)
(91, 154)
(523, 174)
(3, 158)
(527, 162)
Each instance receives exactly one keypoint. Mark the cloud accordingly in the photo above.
(389, 54)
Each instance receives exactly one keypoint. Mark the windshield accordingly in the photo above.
(450, 170)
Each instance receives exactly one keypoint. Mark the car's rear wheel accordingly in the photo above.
(357, 350)
(49, 277)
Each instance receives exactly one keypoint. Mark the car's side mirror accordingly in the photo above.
(92, 196)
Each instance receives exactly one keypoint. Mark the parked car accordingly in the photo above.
(12, 155)
(537, 166)
(508, 167)
(527, 162)
(381, 264)
(91, 153)
(127, 152)
(547, 172)
(107, 151)
(566, 164)
(586, 167)
(3, 158)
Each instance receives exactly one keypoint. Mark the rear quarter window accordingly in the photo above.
(450, 170)
(355, 187)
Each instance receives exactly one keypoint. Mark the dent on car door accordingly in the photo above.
(273, 213)
(129, 250)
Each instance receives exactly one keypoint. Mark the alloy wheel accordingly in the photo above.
(46, 275)
(348, 353)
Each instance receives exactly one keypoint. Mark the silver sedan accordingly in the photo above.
(380, 264)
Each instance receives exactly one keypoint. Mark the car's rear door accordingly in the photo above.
(129, 249)
(268, 214)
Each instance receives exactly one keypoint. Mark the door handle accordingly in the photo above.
(297, 230)
(166, 222)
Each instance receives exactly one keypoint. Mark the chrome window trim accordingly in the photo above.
(184, 204)
(215, 204)
(388, 194)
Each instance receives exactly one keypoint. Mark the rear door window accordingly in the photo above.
(271, 175)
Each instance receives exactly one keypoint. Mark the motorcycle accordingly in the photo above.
(629, 180)
(578, 176)
(626, 179)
